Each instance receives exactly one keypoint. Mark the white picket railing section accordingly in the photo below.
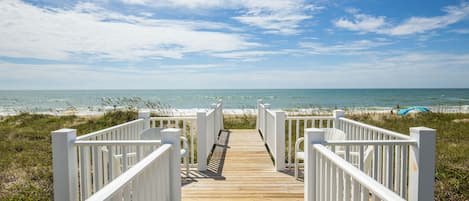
(100, 162)
(295, 131)
(402, 164)
(386, 165)
(380, 153)
(156, 177)
(147, 180)
(271, 125)
(87, 165)
(329, 177)
(125, 131)
(188, 126)
(209, 125)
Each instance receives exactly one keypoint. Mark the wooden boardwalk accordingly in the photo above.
(241, 169)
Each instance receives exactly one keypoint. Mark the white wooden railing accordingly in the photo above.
(295, 131)
(125, 131)
(156, 177)
(188, 126)
(87, 165)
(329, 177)
(386, 165)
(209, 125)
(271, 125)
(402, 164)
(83, 168)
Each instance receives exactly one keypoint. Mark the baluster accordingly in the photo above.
(356, 190)
(397, 168)
(333, 182)
(297, 134)
(340, 189)
(289, 144)
(405, 169)
(362, 158)
(191, 128)
(327, 180)
(347, 186)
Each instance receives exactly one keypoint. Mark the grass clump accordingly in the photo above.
(26, 152)
(239, 121)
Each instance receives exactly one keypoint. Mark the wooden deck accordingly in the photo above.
(241, 169)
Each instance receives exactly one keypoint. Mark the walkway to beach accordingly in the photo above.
(241, 169)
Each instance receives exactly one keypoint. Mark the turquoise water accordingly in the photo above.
(93, 100)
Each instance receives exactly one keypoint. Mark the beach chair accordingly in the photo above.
(148, 134)
(338, 135)
(155, 134)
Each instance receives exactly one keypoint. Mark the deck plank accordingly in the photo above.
(241, 169)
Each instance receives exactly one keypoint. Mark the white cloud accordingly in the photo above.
(366, 23)
(274, 16)
(58, 34)
(460, 31)
(254, 55)
(342, 48)
(362, 23)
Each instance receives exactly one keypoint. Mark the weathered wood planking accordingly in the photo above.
(241, 169)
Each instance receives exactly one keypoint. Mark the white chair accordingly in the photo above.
(147, 134)
(334, 134)
(155, 134)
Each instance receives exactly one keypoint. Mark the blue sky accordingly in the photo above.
(154, 44)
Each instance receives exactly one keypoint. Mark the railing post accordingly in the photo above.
(202, 141)
(173, 136)
(258, 126)
(64, 162)
(422, 164)
(215, 121)
(312, 136)
(337, 115)
(145, 115)
(220, 101)
(280, 117)
(264, 128)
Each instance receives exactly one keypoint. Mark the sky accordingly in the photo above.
(212, 44)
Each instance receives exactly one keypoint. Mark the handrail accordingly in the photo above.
(372, 185)
(370, 142)
(174, 118)
(117, 142)
(113, 187)
(309, 117)
(93, 134)
(384, 131)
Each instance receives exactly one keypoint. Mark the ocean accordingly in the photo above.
(97, 101)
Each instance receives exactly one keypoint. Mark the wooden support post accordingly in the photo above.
(64, 164)
(312, 136)
(202, 141)
(280, 117)
(145, 115)
(422, 164)
(220, 101)
(173, 136)
(258, 126)
(264, 128)
(337, 115)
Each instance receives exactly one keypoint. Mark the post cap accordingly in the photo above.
(338, 113)
(421, 129)
(65, 130)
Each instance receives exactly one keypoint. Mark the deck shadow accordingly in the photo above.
(216, 161)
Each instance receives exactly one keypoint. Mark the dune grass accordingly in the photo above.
(26, 152)
(25, 149)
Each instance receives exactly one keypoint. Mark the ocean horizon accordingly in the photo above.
(189, 100)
